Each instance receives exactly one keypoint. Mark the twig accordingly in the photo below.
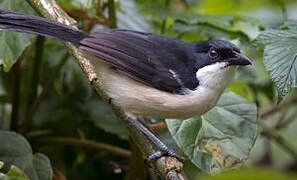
(82, 15)
(100, 9)
(166, 165)
(284, 123)
(276, 108)
(87, 143)
(271, 133)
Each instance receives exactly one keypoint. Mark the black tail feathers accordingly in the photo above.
(19, 22)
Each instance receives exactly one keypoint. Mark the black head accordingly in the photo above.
(213, 51)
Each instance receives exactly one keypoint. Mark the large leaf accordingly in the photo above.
(220, 139)
(212, 32)
(16, 151)
(280, 54)
(12, 44)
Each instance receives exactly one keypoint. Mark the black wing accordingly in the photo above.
(159, 61)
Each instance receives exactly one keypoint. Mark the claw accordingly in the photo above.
(163, 149)
(156, 155)
(163, 152)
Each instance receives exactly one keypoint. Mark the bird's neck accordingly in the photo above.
(216, 76)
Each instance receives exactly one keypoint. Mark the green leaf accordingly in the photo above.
(12, 44)
(129, 17)
(15, 150)
(221, 6)
(280, 54)
(255, 174)
(222, 138)
(15, 173)
(218, 20)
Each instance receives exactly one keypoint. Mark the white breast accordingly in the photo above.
(138, 99)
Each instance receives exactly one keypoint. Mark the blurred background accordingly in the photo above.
(45, 96)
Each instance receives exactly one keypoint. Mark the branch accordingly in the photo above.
(87, 143)
(167, 167)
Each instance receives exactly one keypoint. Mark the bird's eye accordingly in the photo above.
(213, 53)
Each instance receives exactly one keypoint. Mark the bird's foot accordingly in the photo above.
(164, 152)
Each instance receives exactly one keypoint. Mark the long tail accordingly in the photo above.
(19, 22)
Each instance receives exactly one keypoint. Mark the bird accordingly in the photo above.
(146, 74)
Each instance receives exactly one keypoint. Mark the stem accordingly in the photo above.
(165, 166)
(284, 11)
(16, 96)
(87, 143)
(164, 22)
(17, 73)
(46, 87)
(112, 14)
(34, 80)
(163, 26)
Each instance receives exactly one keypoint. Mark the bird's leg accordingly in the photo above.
(163, 150)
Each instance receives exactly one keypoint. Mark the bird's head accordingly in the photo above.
(216, 62)
(218, 52)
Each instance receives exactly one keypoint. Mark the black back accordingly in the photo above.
(159, 61)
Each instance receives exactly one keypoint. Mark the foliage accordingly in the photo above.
(14, 173)
(280, 55)
(17, 153)
(46, 99)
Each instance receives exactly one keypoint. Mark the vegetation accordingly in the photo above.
(55, 122)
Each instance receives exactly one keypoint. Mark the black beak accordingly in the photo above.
(240, 59)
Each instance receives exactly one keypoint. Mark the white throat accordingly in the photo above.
(216, 76)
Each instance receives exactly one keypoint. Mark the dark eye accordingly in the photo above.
(213, 53)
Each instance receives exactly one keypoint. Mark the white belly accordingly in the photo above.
(137, 99)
